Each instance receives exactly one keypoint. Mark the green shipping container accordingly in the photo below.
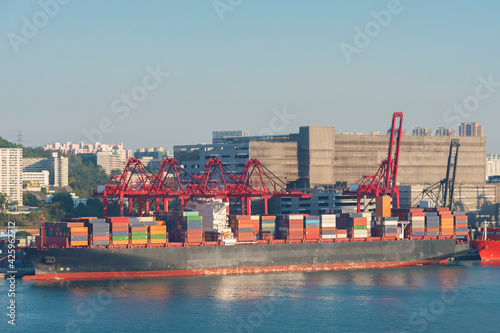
(119, 238)
(190, 213)
(360, 227)
(193, 218)
(158, 236)
(139, 236)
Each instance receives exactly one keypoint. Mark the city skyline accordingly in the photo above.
(163, 74)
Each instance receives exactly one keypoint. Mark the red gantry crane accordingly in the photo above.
(138, 184)
(384, 182)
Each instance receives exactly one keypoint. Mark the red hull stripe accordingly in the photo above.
(221, 271)
(489, 250)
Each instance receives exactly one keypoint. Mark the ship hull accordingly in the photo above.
(103, 263)
(489, 250)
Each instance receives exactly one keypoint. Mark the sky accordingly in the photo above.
(164, 73)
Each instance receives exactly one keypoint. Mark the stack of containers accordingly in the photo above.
(243, 227)
(191, 224)
(78, 236)
(359, 225)
(390, 226)
(138, 233)
(100, 231)
(158, 234)
(311, 227)
(291, 226)
(447, 222)
(268, 224)
(119, 230)
(417, 221)
(461, 225)
(431, 224)
(70, 233)
(341, 233)
(328, 224)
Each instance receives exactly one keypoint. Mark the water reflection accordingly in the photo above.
(259, 286)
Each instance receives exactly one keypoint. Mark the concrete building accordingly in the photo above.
(110, 161)
(37, 178)
(57, 167)
(82, 148)
(157, 153)
(219, 136)
(11, 177)
(317, 204)
(441, 131)
(419, 131)
(492, 165)
(316, 156)
(471, 129)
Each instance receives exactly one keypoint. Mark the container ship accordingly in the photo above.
(489, 246)
(177, 243)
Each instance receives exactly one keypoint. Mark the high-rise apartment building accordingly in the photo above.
(11, 174)
(57, 166)
(441, 131)
(471, 129)
(419, 131)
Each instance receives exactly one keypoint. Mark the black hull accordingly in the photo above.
(76, 263)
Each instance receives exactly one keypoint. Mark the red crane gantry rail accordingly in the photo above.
(138, 184)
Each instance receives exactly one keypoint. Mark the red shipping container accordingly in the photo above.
(357, 221)
(432, 229)
(100, 238)
(118, 220)
(418, 229)
(139, 228)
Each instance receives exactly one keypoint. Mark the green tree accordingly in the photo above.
(4, 199)
(30, 199)
(65, 201)
(84, 175)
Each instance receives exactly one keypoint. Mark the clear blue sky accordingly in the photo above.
(72, 73)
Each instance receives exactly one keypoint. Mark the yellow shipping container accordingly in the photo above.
(158, 241)
(139, 241)
(118, 242)
(79, 229)
(79, 243)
